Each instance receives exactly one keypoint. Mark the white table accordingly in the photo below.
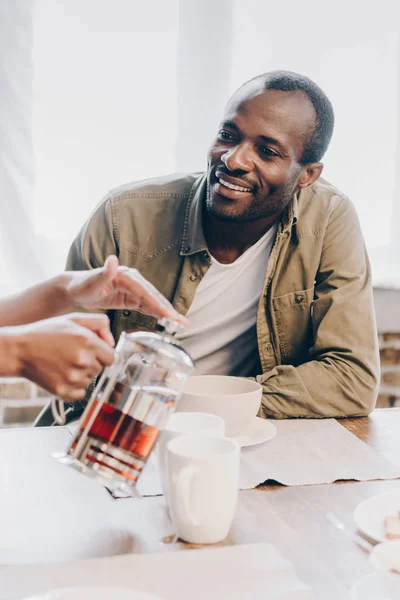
(49, 512)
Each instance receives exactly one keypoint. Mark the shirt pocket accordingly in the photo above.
(292, 315)
(132, 320)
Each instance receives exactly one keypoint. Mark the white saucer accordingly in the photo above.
(370, 514)
(257, 432)
(93, 593)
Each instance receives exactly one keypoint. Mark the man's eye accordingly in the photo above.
(225, 135)
(268, 152)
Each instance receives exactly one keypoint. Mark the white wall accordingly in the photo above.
(387, 310)
(104, 105)
(126, 89)
(351, 49)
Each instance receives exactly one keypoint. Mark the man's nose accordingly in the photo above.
(237, 158)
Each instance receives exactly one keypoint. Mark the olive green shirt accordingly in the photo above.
(316, 331)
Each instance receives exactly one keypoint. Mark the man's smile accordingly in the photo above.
(233, 188)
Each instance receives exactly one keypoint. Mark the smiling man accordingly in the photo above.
(265, 258)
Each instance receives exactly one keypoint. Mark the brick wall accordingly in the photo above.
(389, 393)
(20, 402)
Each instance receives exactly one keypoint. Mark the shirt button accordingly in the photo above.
(299, 298)
(126, 313)
(193, 277)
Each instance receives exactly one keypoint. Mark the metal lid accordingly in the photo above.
(170, 326)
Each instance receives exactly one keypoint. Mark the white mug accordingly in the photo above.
(203, 484)
(180, 424)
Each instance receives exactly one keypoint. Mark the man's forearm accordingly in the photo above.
(320, 389)
(42, 301)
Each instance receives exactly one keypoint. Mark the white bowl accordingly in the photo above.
(234, 399)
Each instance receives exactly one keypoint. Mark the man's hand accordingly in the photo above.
(63, 354)
(118, 287)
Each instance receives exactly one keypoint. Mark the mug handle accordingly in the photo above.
(183, 491)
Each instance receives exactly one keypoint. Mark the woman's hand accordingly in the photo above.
(117, 287)
(64, 354)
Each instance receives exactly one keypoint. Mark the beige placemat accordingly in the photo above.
(235, 572)
(312, 451)
(303, 452)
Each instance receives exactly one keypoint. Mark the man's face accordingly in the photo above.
(254, 162)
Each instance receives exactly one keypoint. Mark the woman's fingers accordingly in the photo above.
(143, 295)
(100, 325)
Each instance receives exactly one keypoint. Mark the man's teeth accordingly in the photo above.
(238, 188)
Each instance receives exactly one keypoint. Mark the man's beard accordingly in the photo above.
(259, 208)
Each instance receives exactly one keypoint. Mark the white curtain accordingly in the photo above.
(124, 90)
(19, 265)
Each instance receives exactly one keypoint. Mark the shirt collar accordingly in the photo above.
(290, 214)
(193, 239)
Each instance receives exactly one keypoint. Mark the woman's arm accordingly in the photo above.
(111, 286)
(62, 354)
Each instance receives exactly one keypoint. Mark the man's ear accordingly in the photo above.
(309, 174)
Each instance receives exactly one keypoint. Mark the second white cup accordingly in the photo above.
(203, 484)
(179, 424)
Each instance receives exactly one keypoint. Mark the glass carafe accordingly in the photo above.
(129, 407)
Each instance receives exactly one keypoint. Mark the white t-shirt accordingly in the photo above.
(221, 336)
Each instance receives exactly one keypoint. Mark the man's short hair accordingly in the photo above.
(287, 81)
